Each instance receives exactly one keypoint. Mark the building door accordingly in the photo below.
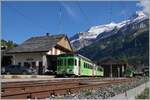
(106, 70)
(40, 71)
(6, 60)
(52, 63)
(115, 71)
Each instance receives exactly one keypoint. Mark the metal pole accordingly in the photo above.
(111, 70)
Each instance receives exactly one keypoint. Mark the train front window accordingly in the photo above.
(65, 62)
(70, 62)
(59, 62)
(75, 61)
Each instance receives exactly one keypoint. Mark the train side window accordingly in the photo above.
(79, 63)
(84, 65)
(99, 69)
(92, 67)
(61, 62)
(88, 66)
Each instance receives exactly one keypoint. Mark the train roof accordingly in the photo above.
(77, 55)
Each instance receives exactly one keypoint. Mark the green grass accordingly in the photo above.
(88, 93)
(144, 94)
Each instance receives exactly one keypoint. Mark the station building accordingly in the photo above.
(112, 67)
(40, 52)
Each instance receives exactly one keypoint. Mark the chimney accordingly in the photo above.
(47, 34)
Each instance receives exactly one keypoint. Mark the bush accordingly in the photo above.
(129, 71)
(88, 93)
(144, 94)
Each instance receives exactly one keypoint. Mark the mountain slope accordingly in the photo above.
(82, 39)
(129, 43)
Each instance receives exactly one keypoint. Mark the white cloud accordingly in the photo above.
(69, 9)
(145, 4)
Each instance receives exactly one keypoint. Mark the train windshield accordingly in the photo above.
(70, 62)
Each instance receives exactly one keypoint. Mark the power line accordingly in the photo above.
(110, 16)
(60, 20)
(84, 14)
(124, 12)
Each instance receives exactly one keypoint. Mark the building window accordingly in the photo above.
(33, 65)
(26, 64)
(19, 63)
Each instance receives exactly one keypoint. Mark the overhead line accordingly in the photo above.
(110, 12)
(60, 20)
(84, 14)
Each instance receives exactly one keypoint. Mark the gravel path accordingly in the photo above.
(105, 92)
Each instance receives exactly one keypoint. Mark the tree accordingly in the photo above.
(129, 71)
(9, 44)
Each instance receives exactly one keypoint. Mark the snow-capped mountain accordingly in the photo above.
(96, 30)
(83, 39)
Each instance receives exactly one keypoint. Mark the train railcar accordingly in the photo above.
(75, 64)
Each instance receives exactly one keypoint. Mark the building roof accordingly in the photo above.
(36, 44)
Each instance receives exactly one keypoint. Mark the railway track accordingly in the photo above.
(53, 88)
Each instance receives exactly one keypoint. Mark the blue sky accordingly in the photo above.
(22, 20)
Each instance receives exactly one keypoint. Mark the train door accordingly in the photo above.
(93, 69)
(79, 66)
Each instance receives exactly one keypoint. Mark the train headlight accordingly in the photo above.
(69, 70)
